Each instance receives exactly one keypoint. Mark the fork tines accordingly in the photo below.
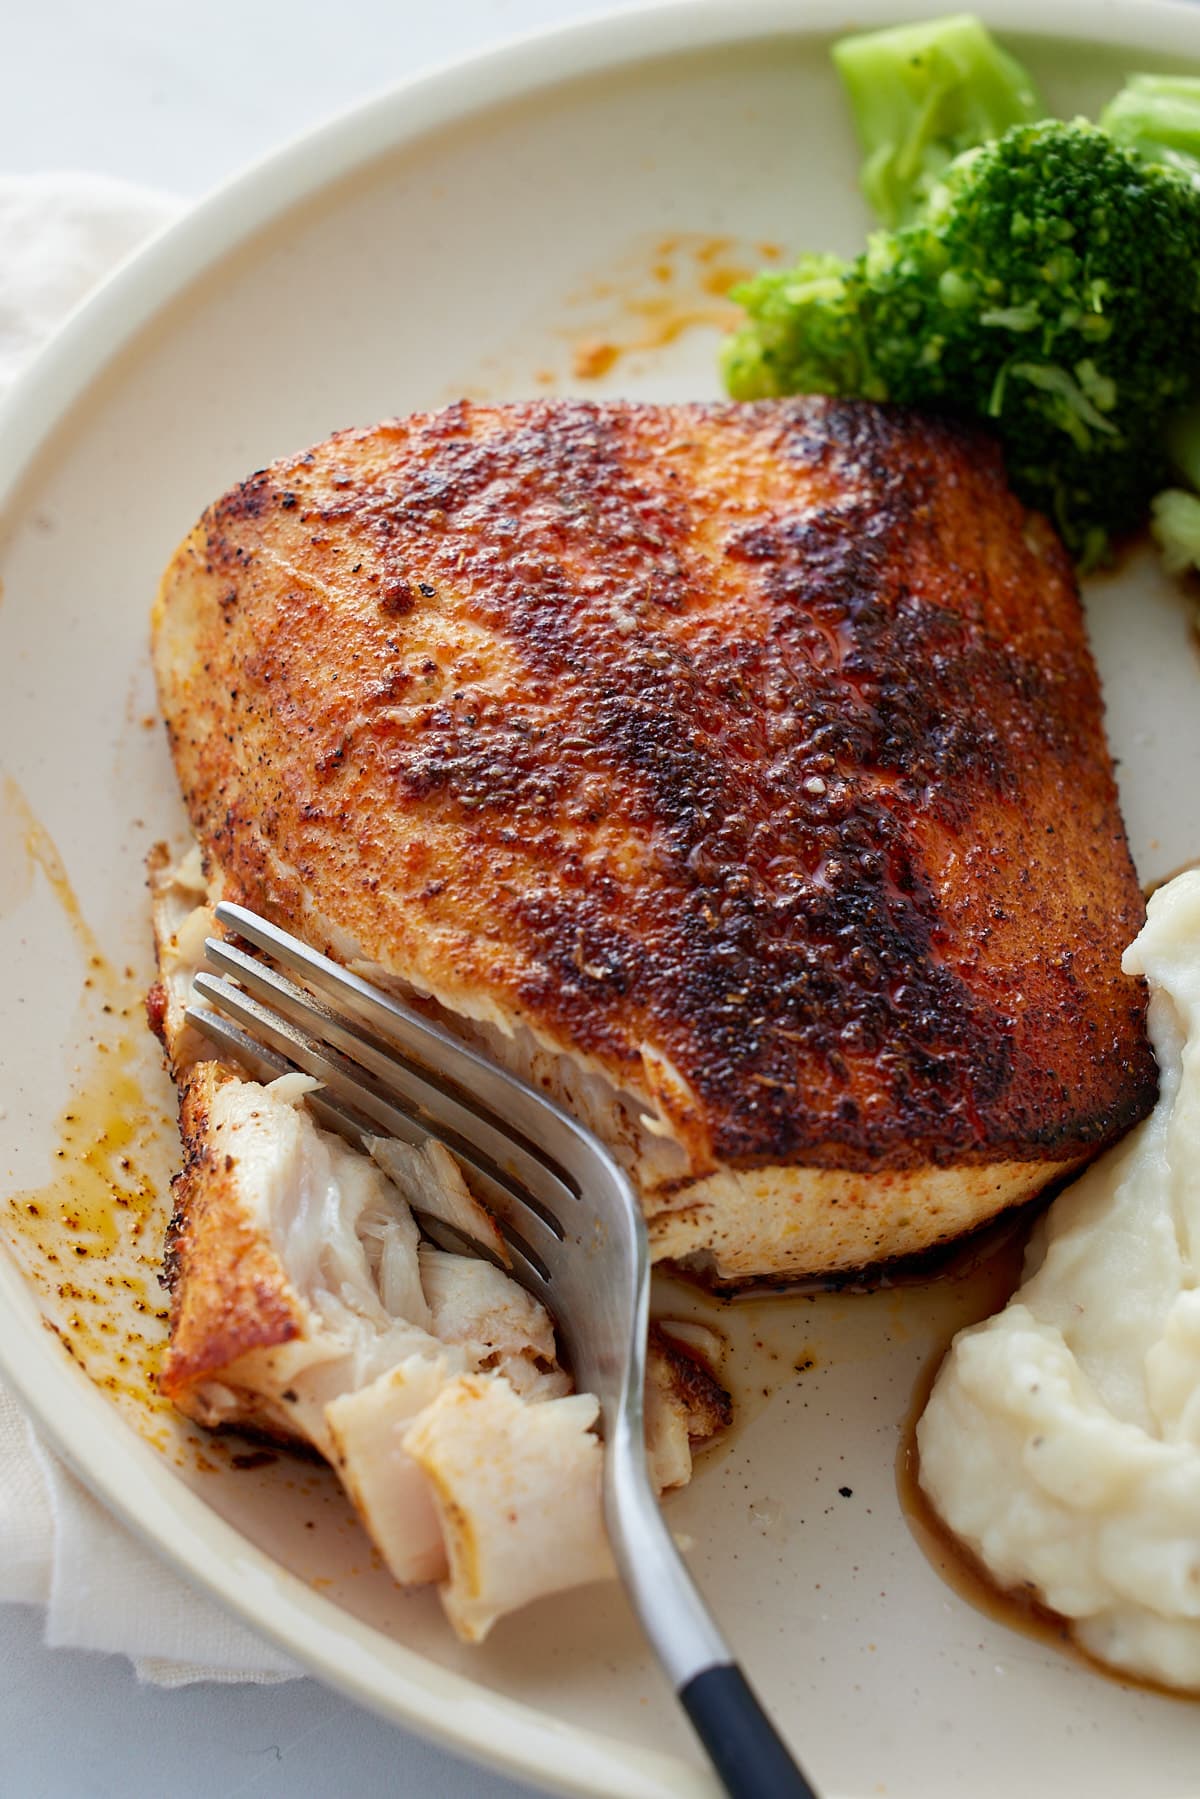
(374, 1079)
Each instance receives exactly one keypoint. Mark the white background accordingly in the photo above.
(182, 96)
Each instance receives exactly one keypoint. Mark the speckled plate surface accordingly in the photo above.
(560, 217)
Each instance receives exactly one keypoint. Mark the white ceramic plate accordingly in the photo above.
(467, 234)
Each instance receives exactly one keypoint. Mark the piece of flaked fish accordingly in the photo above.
(435, 1181)
(684, 1404)
(182, 919)
(473, 1303)
(390, 1491)
(518, 1491)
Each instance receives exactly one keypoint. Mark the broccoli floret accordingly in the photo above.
(1175, 513)
(1159, 117)
(1175, 525)
(920, 95)
(1050, 286)
(807, 335)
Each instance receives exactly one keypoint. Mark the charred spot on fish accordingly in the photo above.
(397, 598)
(156, 1011)
(249, 500)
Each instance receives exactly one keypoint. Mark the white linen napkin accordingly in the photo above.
(59, 1548)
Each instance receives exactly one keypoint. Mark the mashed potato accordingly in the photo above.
(1062, 1439)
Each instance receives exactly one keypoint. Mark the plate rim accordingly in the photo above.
(505, 1734)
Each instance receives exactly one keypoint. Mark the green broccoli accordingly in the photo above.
(806, 334)
(1175, 526)
(1049, 286)
(1175, 513)
(920, 95)
(1159, 117)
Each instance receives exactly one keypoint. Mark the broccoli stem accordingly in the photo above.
(920, 95)
(1159, 117)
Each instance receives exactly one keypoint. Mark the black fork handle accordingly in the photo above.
(749, 1755)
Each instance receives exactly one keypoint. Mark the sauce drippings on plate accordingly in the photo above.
(664, 289)
(90, 1237)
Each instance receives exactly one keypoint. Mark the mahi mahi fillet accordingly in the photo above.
(736, 772)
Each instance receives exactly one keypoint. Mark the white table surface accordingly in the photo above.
(181, 96)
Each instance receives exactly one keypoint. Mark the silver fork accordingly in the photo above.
(577, 1237)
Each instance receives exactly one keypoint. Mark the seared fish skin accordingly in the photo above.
(747, 757)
